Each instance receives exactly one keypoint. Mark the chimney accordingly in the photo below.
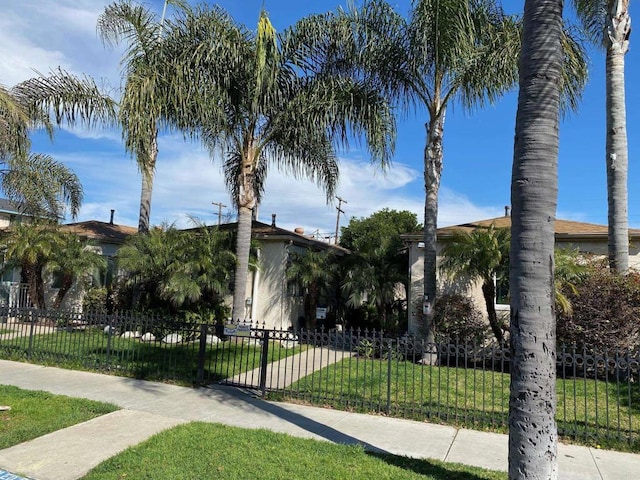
(273, 220)
(111, 219)
(507, 210)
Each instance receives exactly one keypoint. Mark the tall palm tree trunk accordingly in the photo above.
(534, 189)
(148, 170)
(616, 40)
(243, 247)
(433, 155)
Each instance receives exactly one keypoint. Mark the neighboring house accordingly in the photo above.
(271, 299)
(10, 291)
(588, 238)
(106, 239)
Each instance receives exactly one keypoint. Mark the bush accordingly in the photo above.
(606, 310)
(458, 319)
(95, 300)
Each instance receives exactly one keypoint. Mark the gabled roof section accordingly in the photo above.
(266, 232)
(9, 206)
(100, 231)
(564, 229)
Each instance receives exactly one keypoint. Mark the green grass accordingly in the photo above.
(589, 411)
(5, 330)
(91, 349)
(203, 450)
(35, 413)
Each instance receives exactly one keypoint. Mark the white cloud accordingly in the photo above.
(44, 34)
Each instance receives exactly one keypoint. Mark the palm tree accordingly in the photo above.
(176, 267)
(480, 254)
(36, 181)
(30, 247)
(71, 259)
(144, 98)
(313, 271)
(534, 189)
(450, 51)
(263, 101)
(608, 24)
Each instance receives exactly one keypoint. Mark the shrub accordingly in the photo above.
(606, 309)
(95, 300)
(458, 319)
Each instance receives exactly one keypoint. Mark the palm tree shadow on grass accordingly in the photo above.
(427, 467)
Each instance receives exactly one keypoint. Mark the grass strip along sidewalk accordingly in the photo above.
(35, 413)
(204, 450)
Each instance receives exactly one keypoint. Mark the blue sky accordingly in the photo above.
(478, 146)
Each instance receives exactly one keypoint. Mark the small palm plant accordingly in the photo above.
(480, 255)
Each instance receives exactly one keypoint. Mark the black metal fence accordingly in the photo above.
(598, 395)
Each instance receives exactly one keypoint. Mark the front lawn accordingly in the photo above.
(589, 411)
(92, 349)
(203, 450)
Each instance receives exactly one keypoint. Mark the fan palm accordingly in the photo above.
(609, 25)
(262, 101)
(480, 254)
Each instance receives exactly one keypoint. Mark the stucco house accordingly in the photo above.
(271, 299)
(588, 238)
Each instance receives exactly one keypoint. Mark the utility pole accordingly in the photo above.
(340, 202)
(220, 207)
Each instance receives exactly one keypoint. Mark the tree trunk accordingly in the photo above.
(489, 293)
(534, 189)
(243, 247)
(147, 170)
(617, 43)
(432, 173)
(246, 204)
(33, 274)
(67, 283)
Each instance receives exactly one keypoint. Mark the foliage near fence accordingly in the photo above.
(598, 393)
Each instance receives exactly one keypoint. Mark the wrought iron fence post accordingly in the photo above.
(201, 353)
(264, 357)
(109, 335)
(389, 363)
(32, 328)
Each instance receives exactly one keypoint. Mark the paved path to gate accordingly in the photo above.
(150, 407)
(289, 370)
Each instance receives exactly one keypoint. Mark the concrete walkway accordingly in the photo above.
(289, 370)
(150, 407)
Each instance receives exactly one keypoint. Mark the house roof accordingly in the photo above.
(564, 229)
(267, 232)
(101, 231)
(9, 206)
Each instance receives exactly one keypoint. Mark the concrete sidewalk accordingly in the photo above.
(150, 407)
